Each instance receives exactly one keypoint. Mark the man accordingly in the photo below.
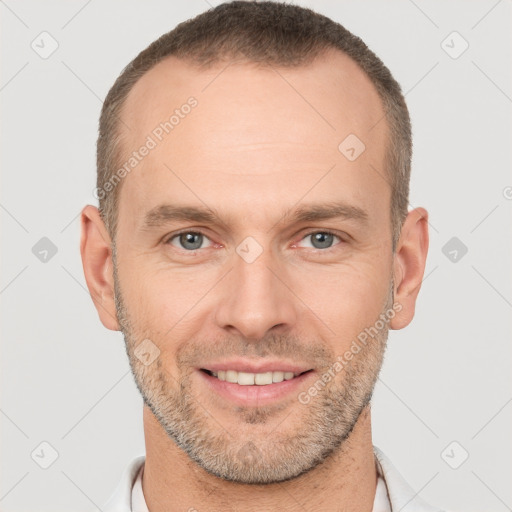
(253, 245)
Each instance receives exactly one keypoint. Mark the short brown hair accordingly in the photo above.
(268, 33)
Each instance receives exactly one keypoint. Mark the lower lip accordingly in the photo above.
(255, 395)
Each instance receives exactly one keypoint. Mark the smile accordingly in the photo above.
(254, 389)
(252, 379)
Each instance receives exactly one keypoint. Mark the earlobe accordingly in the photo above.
(95, 249)
(409, 265)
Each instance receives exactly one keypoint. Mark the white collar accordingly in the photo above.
(401, 496)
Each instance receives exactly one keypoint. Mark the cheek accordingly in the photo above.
(164, 302)
(346, 298)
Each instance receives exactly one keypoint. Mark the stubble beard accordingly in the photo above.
(318, 431)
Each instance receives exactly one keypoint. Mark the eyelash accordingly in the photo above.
(324, 231)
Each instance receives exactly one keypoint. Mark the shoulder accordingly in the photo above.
(121, 498)
(401, 495)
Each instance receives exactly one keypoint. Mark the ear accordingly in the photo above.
(95, 248)
(409, 265)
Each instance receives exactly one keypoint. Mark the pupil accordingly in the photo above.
(191, 240)
(322, 240)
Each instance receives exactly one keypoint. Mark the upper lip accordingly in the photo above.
(244, 365)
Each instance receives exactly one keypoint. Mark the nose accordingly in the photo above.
(256, 299)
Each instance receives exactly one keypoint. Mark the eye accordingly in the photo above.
(188, 240)
(321, 239)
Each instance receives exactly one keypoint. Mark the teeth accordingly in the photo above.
(246, 379)
(232, 376)
(262, 379)
(278, 376)
(251, 379)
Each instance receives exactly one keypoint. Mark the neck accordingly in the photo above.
(172, 481)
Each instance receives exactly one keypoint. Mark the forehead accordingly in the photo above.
(253, 132)
(332, 89)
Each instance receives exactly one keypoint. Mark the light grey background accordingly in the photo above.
(65, 379)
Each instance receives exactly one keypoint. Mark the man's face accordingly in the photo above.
(255, 288)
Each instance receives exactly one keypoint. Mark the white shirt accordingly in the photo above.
(393, 494)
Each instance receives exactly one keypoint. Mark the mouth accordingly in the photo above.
(253, 379)
(254, 389)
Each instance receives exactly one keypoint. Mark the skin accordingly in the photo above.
(252, 150)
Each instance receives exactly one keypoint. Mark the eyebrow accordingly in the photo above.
(326, 211)
(166, 213)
